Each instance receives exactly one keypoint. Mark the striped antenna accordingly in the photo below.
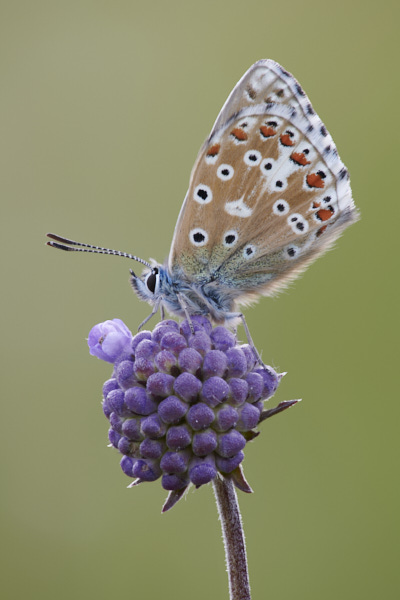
(68, 245)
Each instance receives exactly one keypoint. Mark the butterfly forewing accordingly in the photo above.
(268, 192)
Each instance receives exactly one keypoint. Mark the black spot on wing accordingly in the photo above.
(284, 72)
(299, 90)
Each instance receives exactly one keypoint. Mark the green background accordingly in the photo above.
(103, 106)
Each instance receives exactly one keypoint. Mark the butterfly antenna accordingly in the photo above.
(68, 245)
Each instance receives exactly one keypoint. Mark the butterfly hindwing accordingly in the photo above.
(268, 192)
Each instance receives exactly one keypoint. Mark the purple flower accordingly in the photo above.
(183, 401)
(109, 340)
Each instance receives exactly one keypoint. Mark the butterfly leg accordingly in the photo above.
(153, 312)
(182, 302)
(162, 312)
(240, 316)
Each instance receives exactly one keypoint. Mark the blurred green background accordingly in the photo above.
(103, 107)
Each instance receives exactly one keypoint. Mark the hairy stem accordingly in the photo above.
(232, 531)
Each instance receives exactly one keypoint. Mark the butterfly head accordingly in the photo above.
(148, 286)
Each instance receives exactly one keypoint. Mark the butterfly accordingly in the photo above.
(268, 194)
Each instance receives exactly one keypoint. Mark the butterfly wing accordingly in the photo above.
(268, 193)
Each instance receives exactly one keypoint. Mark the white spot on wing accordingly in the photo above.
(238, 208)
(278, 185)
(211, 159)
(273, 119)
(267, 166)
(225, 172)
(249, 251)
(230, 238)
(298, 223)
(247, 123)
(202, 194)
(329, 197)
(252, 158)
(280, 207)
(292, 252)
(198, 237)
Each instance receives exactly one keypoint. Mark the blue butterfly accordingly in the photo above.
(268, 194)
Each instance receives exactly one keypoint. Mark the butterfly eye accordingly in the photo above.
(202, 194)
(151, 280)
(225, 172)
(252, 158)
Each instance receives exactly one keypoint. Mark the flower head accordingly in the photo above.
(182, 402)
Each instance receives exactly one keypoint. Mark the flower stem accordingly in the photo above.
(233, 534)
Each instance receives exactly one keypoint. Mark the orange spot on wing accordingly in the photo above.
(321, 230)
(323, 214)
(286, 140)
(316, 204)
(299, 158)
(315, 180)
(267, 131)
(239, 134)
(213, 151)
